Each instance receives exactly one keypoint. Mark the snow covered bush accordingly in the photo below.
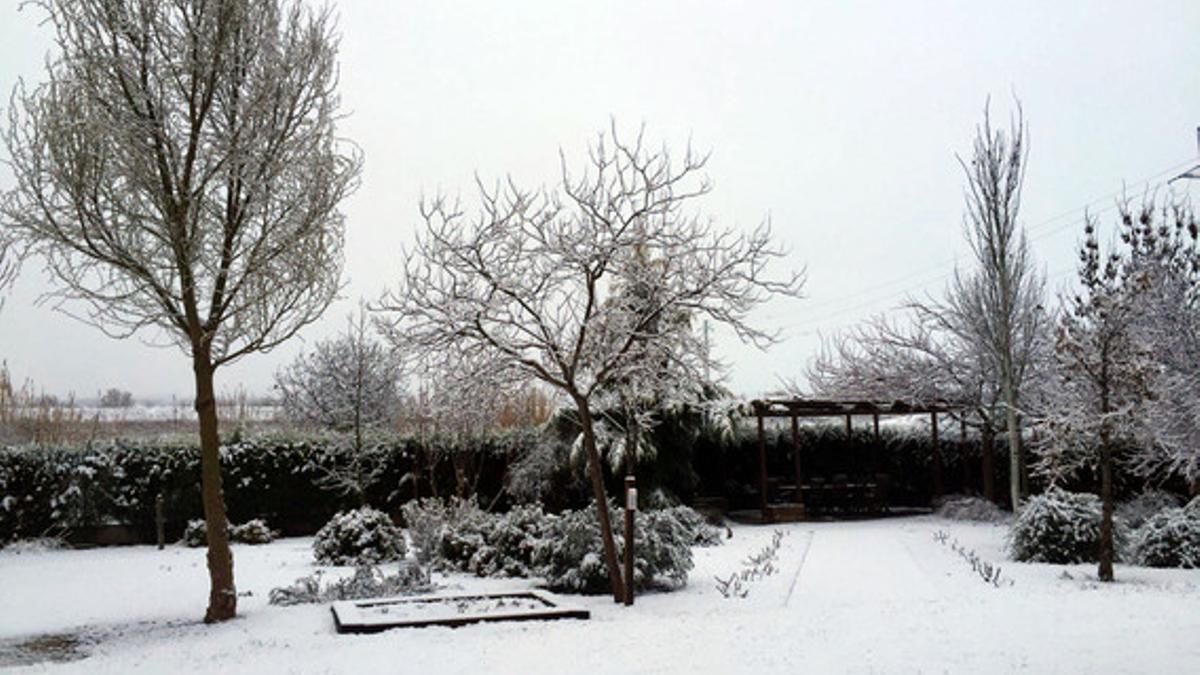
(1138, 510)
(429, 518)
(253, 531)
(975, 509)
(195, 534)
(495, 544)
(38, 545)
(457, 534)
(1059, 527)
(570, 555)
(700, 531)
(1169, 538)
(368, 581)
(361, 536)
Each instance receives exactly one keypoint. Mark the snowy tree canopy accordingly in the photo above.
(1128, 350)
(528, 280)
(350, 383)
(527, 284)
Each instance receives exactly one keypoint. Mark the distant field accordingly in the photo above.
(78, 424)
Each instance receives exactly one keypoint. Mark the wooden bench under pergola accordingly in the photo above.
(869, 493)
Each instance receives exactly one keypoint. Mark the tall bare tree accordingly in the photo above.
(1008, 290)
(525, 282)
(179, 173)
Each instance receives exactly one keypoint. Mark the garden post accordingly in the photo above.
(159, 521)
(630, 509)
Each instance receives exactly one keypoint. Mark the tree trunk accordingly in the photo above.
(222, 598)
(596, 473)
(1106, 509)
(1014, 447)
(987, 451)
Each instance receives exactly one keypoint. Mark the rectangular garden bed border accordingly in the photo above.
(348, 615)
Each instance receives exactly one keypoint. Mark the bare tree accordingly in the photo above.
(349, 384)
(524, 284)
(929, 354)
(1008, 292)
(179, 173)
(115, 398)
(8, 264)
(454, 401)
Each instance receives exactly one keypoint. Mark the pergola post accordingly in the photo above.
(939, 486)
(876, 451)
(762, 466)
(850, 443)
(796, 458)
(964, 466)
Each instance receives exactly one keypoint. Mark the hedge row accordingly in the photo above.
(48, 491)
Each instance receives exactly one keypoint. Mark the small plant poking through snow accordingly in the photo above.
(755, 567)
(360, 537)
(1060, 527)
(368, 581)
(987, 571)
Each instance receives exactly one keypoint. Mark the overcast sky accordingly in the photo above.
(838, 120)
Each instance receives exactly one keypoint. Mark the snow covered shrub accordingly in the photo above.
(975, 509)
(570, 555)
(38, 545)
(1193, 507)
(361, 536)
(252, 532)
(367, 581)
(195, 534)
(495, 544)
(1060, 527)
(1169, 538)
(1138, 510)
(459, 535)
(700, 531)
(428, 519)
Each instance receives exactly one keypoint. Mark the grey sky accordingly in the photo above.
(839, 120)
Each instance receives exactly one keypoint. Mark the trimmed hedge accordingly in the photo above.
(55, 491)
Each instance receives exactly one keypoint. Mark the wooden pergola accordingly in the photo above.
(798, 408)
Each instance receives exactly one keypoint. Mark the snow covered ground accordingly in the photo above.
(862, 597)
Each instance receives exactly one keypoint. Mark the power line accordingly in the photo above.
(946, 274)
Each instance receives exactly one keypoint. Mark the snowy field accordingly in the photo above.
(862, 597)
